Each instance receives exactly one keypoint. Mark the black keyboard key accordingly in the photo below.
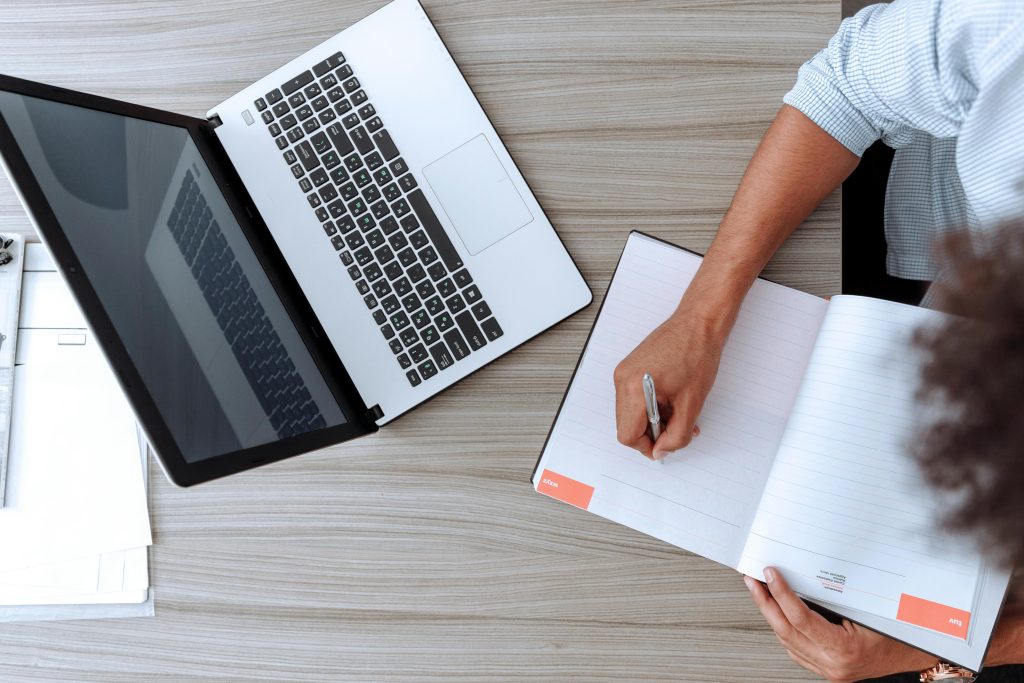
(390, 304)
(444, 322)
(470, 330)
(274, 96)
(307, 157)
(435, 305)
(344, 72)
(472, 295)
(357, 207)
(318, 176)
(260, 103)
(396, 346)
(328, 193)
(367, 111)
(330, 229)
(332, 62)
(425, 289)
(329, 81)
(366, 222)
(379, 317)
(300, 81)
(430, 335)
(281, 142)
(400, 320)
(398, 241)
(274, 130)
(353, 162)
(462, 278)
(311, 126)
(410, 337)
(338, 211)
(331, 160)
(319, 103)
(442, 356)
(444, 246)
(354, 272)
(372, 194)
(414, 378)
(407, 257)
(340, 139)
(457, 344)
(380, 209)
(398, 167)
(375, 239)
(409, 223)
(345, 223)
(384, 254)
(387, 331)
(437, 271)
(416, 273)
(351, 85)
(304, 112)
(373, 272)
(374, 124)
(401, 207)
(370, 301)
(346, 258)
(408, 182)
(350, 120)
(287, 120)
(338, 242)
(421, 318)
(298, 171)
(385, 144)
(381, 288)
(363, 256)
(427, 369)
(382, 176)
(456, 304)
(481, 310)
(305, 184)
(267, 116)
(354, 240)
(419, 239)
(296, 134)
(326, 116)
(361, 139)
(362, 178)
(402, 286)
(411, 302)
(340, 175)
(335, 94)
(373, 161)
(297, 100)
(358, 97)
(342, 108)
(404, 361)
(349, 192)
(290, 158)
(418, 353)
(321, 143)
(311, 90)
(492, 329)
(314, 201)
(393, 270)
(428, 256)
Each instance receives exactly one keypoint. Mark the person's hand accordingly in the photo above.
(837, 652)
(682, 356)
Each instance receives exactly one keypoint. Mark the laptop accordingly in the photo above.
(330, 247)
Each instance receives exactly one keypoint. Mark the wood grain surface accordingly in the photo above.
(422, 553)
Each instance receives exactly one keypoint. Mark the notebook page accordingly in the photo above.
(846, 515)
(703, 498)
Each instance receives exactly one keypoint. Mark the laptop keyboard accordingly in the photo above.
(387, 236)
(258, 349)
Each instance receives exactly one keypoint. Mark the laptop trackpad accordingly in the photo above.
(477, 194)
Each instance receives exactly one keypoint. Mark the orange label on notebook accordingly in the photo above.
(565, 489)
(933, 615)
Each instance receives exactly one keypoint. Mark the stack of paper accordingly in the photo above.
(75, 527)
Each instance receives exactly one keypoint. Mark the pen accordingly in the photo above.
(651, 401)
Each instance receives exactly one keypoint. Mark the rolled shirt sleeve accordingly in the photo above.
(893, 69)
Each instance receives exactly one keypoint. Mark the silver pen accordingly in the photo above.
(651, 400)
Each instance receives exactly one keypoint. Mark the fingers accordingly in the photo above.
(631, 418)
(798, 614)
(678, 434)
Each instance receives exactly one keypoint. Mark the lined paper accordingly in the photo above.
(845, 514)
(704, 497)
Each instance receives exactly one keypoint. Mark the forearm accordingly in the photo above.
(1007, 645)
(794, 168)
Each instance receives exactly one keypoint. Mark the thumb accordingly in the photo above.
(678, 433)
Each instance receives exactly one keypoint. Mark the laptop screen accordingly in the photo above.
(176, 275)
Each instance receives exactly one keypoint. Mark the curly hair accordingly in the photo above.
(975, 369)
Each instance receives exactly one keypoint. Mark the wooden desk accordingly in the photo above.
(421, 553)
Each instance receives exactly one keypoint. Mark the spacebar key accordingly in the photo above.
(438, 236)
(468, 326)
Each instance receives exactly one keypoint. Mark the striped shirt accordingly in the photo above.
(942, 82)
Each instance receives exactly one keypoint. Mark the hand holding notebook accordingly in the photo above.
(802, 460)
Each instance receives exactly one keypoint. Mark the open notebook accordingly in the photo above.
(801, 462)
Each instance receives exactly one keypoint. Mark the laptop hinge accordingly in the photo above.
(375, 413)
(216, 120)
